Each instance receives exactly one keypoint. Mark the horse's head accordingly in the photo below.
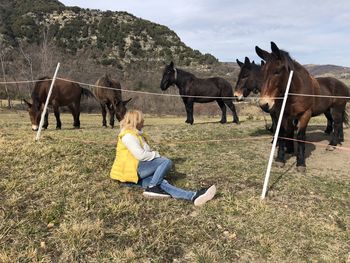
(34, 114)
(121, 109)
(275, 75)
(249, 79)
(169, 76)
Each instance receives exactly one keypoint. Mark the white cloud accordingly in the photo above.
(312, 31)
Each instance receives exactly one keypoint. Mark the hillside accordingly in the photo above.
(319, 70)
(116, 38)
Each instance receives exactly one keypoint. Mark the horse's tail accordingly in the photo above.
(87, 93)
(345, 117)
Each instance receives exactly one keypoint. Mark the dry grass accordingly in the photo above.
(57, 203)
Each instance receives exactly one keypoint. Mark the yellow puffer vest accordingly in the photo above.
(125, 165)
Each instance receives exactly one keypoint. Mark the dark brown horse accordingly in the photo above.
(110, 98)
(301, 108)
(212, 89)
(64, 93)
(250, 80)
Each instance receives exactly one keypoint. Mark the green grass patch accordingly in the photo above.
(58, 204)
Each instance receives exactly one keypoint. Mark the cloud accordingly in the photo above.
(312, 31)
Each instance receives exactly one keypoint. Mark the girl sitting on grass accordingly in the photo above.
(136, 163)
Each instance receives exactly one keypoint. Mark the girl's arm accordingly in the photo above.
(133, 144)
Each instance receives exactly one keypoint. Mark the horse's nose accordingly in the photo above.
(238, 96)
(266, 104)
(265, 107)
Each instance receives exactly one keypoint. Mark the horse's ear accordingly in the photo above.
(28, 103)
(262, 53)
(262, 62)
(246, 61)
(240, 64)
(253, 62)
(275, 50)
(126, 101)
(171, 64)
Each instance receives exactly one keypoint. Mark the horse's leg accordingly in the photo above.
(337, 114)
(223, 110)
(303, 122)
(274, 120)
(111, 109)
(290, 143)
(341, 133)
(57, 115)
(104, 113)
(280, 160)
(75, 113)
(232, 107)
(329, 117)
(189, 110)
(46, 119)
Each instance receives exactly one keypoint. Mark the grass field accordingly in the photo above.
(57, 203)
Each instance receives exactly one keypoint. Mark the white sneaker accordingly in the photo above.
(204, 195)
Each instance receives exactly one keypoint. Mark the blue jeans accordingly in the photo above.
(152, 173)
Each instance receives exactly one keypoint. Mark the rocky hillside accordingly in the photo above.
(114, 38)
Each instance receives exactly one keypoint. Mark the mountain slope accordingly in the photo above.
(117, 38)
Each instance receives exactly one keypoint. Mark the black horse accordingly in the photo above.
(249, 78)
(193, 89)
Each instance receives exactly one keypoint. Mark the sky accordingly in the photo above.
(312, 31)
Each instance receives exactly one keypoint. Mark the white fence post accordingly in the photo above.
(46, 103)
(268, 170)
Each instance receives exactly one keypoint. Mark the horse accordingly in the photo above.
(250, 80)
(110, 98)
(64, 93)
(300, 108)
(196, 90)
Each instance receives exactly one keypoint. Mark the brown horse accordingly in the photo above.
(64, 93)
(250, 80)
(110, 98)
(300, 108)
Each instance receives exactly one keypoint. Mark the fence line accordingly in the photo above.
(22, 81)
(176, 95)
(177, 142)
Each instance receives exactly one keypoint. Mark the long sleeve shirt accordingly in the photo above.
(140, 153)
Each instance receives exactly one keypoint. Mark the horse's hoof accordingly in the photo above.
(237, 122)
(328, 131)
(76, 127)
(301, 169)
(58, 128)
(222, 122)
(279, 164)
(330, 148)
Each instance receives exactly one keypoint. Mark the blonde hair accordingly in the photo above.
(131, 119)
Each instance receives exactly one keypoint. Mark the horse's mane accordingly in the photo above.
(185, 73)
(290, 63)
(35, 93)
(107, 81)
